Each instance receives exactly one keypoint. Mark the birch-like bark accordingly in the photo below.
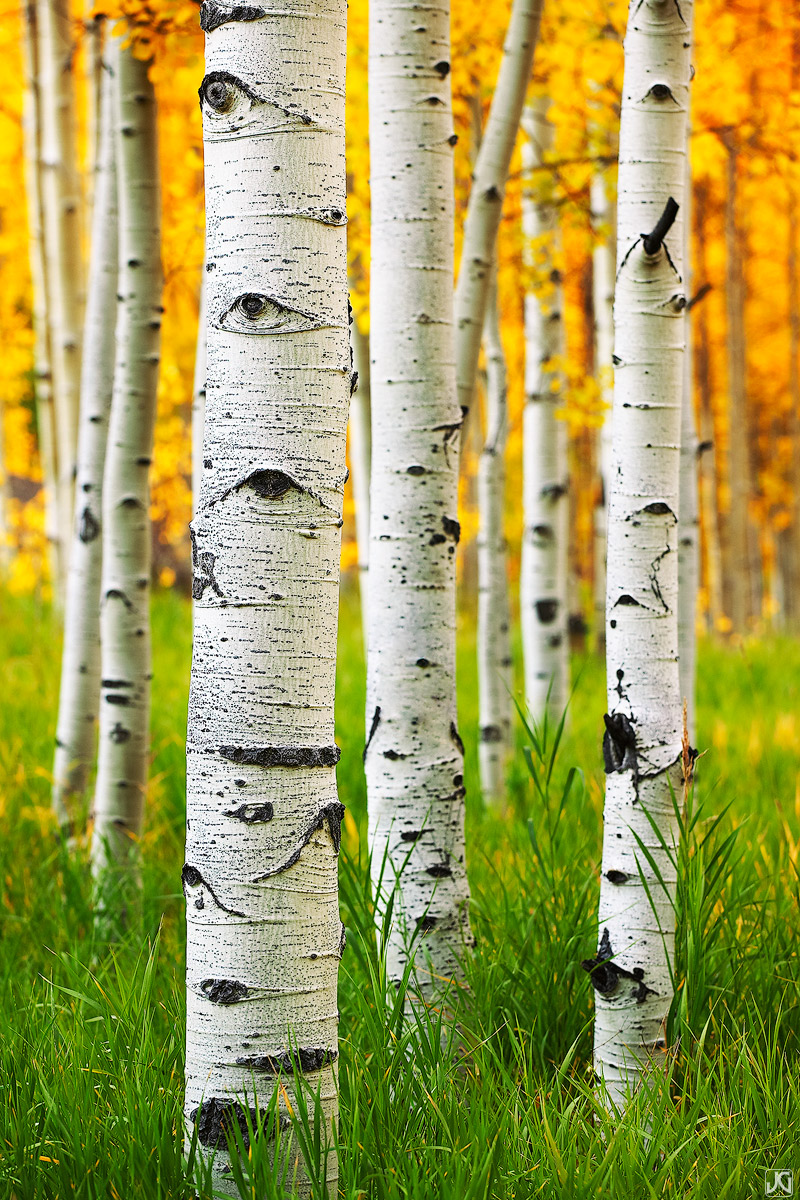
(603, 255)
(485, 207)
(263, 816)
(199, 394)
(689, 516)
(642, 744)
(414, 755)
(495, 666)
(125, 589)
(80, 665)
(543, 567)
(42, 374)
(62, 239)
(361, 458)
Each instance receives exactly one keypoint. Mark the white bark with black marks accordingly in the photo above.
(495, 666)
(544, 560)
(414, 755)
(489, 177)
(125, 590)
(642, 744)
(80, 665)
(264, 936)
(689, 526)
(61, 209)
(361, 458)
(199, 395)
(603, 255)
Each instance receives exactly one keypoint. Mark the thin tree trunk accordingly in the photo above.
(495, 666)
(414, 755)
(199, 393)
(603, 255)
(642, 744)
(708, 486)
(125, 591)
(62, 239)
(42, 375)
(740, 583)
(80, 666)
(489, 178)
(689, 523)
(543, 569)
(790, 537)
(361, 459)
(263, 817)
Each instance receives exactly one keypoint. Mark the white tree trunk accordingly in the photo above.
(42, 374)
(689, 515)
(414, 755)
(543, 568)
(495, 666)
(62, 239)
(361, 458)
(125, 592)
(642, 744)
(263, 816)
(603, 269)
(199, 394)
(80, 666)
(489, 178)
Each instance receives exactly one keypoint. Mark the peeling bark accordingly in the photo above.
(263, 817)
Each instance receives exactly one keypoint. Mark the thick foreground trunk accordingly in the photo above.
(264, 936)
(414, 755)
(642, 744)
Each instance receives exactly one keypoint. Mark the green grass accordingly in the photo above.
(91, 1042)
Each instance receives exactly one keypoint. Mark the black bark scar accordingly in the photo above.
(304, 1058)
(619, 744)
(215, 1119)
(191, 877)
(282, 756)
(224, 991)
(376, 720)
(605, 974)
(333, 814)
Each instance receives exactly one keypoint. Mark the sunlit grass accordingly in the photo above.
(91, 1044)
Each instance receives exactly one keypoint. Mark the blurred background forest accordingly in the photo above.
(745, 244)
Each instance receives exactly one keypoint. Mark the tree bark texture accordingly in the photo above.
(42, 373)
(485, 207)
(361, 458)
(199, 394)
(414, 754)
(689, 516)
(603, 269)
(543, 567)
(125, 589)
(61, 211)
(79, 695)
(642, 743)
(263, 816)
(495, 665)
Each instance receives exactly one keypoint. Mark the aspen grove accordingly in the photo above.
(399, 576)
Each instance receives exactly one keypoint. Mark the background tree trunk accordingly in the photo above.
(543, 569)
(80, 665)
(642, 744)
(264, 936)
(125, 593)
(62, 239)
(361, 459)
(495, 664)
(688, 517)
(489, 178)
(603, 269)
(414, 755)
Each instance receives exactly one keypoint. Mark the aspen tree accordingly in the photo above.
(689, 517)
(263, 817)
(80, 666)
(543, 567)
(414, 754)
(42, 374)
(495, 667)
(603, 254)
(361, 458)
(642, 744)
(199, 394)
(485, 207)
(125, 588)
(62, 239)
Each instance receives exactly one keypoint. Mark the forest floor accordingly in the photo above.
(91, 1042)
